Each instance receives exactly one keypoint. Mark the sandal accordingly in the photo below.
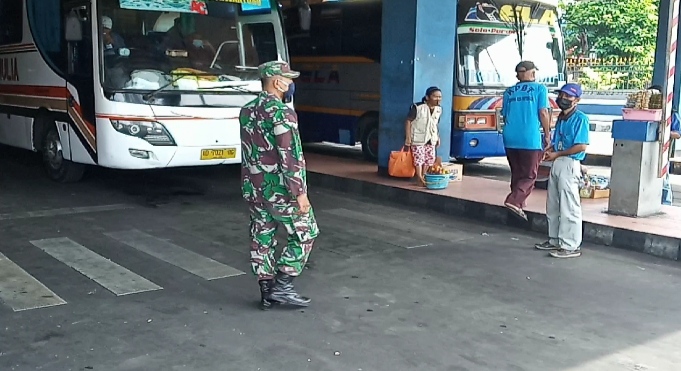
(517, 211)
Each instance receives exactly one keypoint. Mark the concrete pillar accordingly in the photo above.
(659, 74)
(417, 51)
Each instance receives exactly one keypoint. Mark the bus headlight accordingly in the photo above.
(153, 132)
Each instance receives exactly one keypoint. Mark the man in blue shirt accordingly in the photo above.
(563, 205)
(525, 110)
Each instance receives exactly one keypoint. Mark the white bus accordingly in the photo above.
(131, 84)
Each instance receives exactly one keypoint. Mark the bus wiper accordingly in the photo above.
(496, 70)
(233, 87)
(213, 105)
(172, 81)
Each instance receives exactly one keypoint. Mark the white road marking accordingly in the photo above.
(63, 211)
(108, 274)
(21, 291)
(190, 261)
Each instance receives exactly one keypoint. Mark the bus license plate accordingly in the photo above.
(218, 153)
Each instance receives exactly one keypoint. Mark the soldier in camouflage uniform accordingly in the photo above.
(274, 183)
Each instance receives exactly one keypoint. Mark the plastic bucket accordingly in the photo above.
(437, 181)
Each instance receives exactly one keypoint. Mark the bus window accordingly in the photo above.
(362, 31)
(489, 58)
(11, 26)
(165, 43)
(326, 30)
(47, 31)
(80, 52)
(260, 43)
(301, 44)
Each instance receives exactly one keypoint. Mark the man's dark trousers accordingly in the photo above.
(524, 164)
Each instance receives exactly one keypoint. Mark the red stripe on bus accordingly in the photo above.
(35, 90)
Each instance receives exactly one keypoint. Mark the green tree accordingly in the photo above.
(615, 29)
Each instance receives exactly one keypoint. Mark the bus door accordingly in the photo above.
(80, 80)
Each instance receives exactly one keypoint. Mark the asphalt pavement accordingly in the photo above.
(149, 271)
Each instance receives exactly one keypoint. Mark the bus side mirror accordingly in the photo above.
(73, 29)
(554, 46)
(305, 16)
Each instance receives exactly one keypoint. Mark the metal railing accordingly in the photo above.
(619, 76)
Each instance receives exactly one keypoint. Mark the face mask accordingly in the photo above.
(288, 94)
(198, 43)
(564, 104)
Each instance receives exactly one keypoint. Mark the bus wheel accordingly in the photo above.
(58, 168)
(370, 142)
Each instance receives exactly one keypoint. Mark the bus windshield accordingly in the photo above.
(209, 45)
(488, 55)
(494, 35)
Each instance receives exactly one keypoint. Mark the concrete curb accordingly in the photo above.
(661, 246)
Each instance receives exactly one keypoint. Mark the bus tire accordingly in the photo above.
(370, 141)
(57, 168)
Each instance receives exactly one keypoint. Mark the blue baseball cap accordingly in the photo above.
(571, 89)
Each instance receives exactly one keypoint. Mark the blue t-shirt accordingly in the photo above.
(676, 126)
(521, 105)
(570, 131)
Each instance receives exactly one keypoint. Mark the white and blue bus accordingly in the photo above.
(131, 84)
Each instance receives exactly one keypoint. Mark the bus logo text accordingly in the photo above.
(490, 31)
(9, 71)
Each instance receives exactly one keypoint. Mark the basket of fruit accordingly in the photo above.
(644, 105)
(437, 177)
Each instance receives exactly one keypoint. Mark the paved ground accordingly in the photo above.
(120, 264)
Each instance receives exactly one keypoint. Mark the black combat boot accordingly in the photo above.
(284, 293)
(265, 291)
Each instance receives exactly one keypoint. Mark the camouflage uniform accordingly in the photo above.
(273, 175)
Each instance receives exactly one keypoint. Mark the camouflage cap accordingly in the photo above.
(277, 68)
